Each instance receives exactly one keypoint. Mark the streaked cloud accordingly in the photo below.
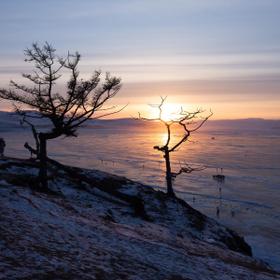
(215, 51)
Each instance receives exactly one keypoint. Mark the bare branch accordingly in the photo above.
(84, 98)
(188, 122)
(186, 168)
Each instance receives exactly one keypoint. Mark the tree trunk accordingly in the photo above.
(43, 180)
(170, 191)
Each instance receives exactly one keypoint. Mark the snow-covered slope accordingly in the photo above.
(93, 225)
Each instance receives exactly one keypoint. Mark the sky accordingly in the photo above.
(218, 54)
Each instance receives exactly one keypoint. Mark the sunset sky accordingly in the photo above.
(223, 55)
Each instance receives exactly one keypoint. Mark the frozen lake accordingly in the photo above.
(248, 200)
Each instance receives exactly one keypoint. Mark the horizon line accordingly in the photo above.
(131, 118)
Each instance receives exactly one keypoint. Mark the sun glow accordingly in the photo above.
(170, 111)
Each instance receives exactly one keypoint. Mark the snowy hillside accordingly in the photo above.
(93, 225)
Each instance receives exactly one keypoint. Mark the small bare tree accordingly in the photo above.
(83, 99)
(189, 122)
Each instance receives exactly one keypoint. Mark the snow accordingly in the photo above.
(4, 183)
(90, 231)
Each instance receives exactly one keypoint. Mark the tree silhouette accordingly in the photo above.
(189, 122)
(83, 99)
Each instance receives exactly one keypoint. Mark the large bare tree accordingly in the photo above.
(82, 100)
(189, 122)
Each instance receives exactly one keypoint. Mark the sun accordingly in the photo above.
(170, 111)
